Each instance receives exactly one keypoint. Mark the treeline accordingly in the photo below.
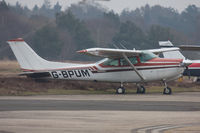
(57, 35)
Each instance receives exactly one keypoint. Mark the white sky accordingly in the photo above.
(117, 5)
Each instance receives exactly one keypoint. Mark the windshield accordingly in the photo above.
(145, 56)
(120, 62)
(123, 62)
(111, 62)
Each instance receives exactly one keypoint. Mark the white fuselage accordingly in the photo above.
(95, 72)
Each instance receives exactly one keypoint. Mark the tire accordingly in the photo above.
(120, 90)
(141, 90)
(167, 91)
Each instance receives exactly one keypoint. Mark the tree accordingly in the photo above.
(47, 4)
(158, 33)
(57, 7)
(35, 10)
(3, 6)
(76, 28)
(46, 42)
(67, 21)
(114, 18)
(189, 18)
(130, 35)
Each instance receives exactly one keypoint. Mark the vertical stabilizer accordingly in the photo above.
(29, 60)
(25, 55)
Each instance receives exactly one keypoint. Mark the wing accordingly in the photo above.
(158, 51)
(110, 53)
(118, 53)
(190, 47)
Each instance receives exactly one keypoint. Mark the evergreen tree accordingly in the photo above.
(57, 7)
(130, 35)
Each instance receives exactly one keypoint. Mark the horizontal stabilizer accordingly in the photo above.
(36, 74)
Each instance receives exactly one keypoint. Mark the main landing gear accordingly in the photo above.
(121, 89)
(140, 89)
(167, 90)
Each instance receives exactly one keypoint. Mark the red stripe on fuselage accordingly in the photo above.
(165, 60)
(194, 65)
(152, 62)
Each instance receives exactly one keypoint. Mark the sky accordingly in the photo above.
(116, 5)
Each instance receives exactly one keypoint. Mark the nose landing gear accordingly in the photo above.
(167, 90)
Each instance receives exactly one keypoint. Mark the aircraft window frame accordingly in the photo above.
(146, 56)
(110, 62)
(134, 60)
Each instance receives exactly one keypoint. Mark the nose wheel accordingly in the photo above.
(167, 90)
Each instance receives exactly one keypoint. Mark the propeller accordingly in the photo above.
(188, 72)
(185, 63)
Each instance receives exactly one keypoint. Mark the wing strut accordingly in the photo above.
(135, 69)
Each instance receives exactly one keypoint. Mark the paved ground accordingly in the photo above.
(178, 113)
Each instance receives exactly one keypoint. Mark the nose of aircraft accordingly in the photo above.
(186, 63)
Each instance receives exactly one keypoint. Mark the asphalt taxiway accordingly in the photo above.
(152, 113)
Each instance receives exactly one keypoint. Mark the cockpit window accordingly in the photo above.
(120, 62)
(111, 62)
(123, 62)
(147, 56)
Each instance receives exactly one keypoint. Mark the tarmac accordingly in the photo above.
(149, 113)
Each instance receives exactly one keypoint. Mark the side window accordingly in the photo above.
(143, 57)
(111, 62)
(147, 56)
(133, 60)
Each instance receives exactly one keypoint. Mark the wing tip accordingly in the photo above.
(16, 40)
(82, 51)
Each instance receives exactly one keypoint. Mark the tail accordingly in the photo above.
(28, 59)
(171, 54)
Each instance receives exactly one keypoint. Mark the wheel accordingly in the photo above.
(120, 90)
(141, 89)
(167, 91)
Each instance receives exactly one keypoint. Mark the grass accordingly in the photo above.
(9, 67)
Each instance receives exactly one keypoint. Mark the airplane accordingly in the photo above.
(194, 68)
(119, 65)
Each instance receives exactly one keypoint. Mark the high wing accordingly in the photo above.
(118, 53)
(110, 53)
(190, 47)
(158, 51)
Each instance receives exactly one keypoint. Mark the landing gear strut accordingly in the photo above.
(140, 89)
(167, 90)
(120, 90)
